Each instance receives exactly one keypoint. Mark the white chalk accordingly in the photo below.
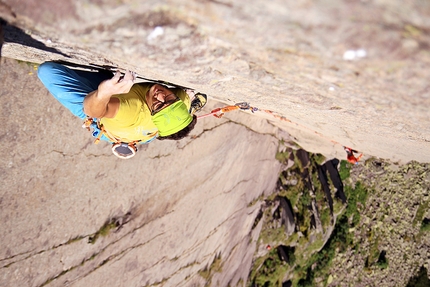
(158, 31)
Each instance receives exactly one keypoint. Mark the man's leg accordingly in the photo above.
(69, 86)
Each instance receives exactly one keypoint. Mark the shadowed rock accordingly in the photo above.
(291, 157)
(1, 35)
(322, 176)
(5, 14)
(16, 35)
(421, 279)
(110, 69)
(282, 253)
(307, 179)
(89, 67)
(335, 178)
(313, 221)
(287, 215)
(382, 257)
(316, 218)
(303, 156)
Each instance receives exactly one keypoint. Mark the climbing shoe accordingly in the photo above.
(198, 103)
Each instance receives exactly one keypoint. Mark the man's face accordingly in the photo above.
(159, 97)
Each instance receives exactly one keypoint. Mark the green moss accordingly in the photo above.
(355, 195)
(75, 239)
(292, 239)
(283, 179)
(305, 199)
(283, 152)
(272, 271)
(292, 193)
(325, 217)
(282, 156)
(273, 235)
(318, 158)
(320, 197)
(28, 64)
(425, 225)
(297, 163)
(103, 231)
(215, 267)
(373, 252)
(338, 206)
(316, 245)
(344, 170)
(411, 31)
(382, 264)
(313, 259)
(256, 200)
(422, 209)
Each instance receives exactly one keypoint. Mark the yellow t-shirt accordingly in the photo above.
(133, 119)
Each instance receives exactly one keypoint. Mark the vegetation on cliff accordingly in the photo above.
(366, 228)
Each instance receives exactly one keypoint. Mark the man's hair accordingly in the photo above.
(182, 133)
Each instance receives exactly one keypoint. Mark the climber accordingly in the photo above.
(120, 111)
(350, 155)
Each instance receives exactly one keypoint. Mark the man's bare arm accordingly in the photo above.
(100, 104)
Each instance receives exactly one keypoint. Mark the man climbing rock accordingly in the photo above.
(120, 111)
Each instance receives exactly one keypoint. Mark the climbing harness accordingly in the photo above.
(219, 112)
(120, 149)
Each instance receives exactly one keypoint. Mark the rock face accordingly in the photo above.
(331, 168)
(322, 176)
(287, 216)
(182, 214)
(379, 234)
(307, 221)
(73, 214)
(393, 239)
(288, 58)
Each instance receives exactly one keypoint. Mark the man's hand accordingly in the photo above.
(119, 84)
(99, 104)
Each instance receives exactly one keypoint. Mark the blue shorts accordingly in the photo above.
(70, 86)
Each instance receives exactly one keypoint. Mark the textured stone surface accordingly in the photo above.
(386, 224)
(285, 57)
(190, 201)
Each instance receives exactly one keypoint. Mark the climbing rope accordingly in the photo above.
(244, 106)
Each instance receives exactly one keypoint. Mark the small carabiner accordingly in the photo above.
(243, 105)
